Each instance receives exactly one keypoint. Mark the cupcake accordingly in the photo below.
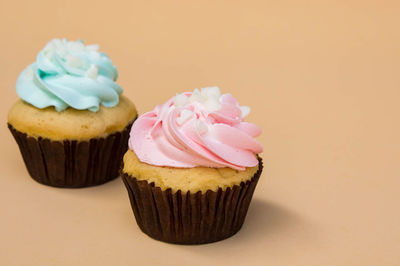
(72, 123)
(192, 167)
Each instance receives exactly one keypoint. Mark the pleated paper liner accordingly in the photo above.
(190, 218)
(73, 164)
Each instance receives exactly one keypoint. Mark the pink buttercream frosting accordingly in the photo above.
(200, 128)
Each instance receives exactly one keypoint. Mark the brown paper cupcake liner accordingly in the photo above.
(190, 218)
(71, 163)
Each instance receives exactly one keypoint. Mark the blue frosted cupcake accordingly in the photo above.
(72, 121)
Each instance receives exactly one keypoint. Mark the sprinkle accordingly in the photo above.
(92, 71)
(180, 100)
(92, 47)
(78, 46)
(184, 116)
(211, 92)
(196, 96)
(74, 61)
(245, 111)
(212, 104)
(201, 127)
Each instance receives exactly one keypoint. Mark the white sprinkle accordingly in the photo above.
(75, 46)
(196, 96)
(74, 61)
(209, 97)
(92, 47)
(212, 104)
(180, 100)
(57, 42)
(245, 111)
(184, 116)
(92, 72)
(201, 127)
(211, 92)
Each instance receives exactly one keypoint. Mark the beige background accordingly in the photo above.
(323, 81)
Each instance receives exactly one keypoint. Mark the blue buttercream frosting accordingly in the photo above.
(70, 74)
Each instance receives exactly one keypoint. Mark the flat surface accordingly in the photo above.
(322, 78)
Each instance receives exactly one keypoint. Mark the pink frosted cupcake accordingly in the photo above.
(192, 167)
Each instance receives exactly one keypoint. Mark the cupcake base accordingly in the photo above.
(72, 164)
(190, 218)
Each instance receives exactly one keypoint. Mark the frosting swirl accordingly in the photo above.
(70, 74)
(200, 128)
